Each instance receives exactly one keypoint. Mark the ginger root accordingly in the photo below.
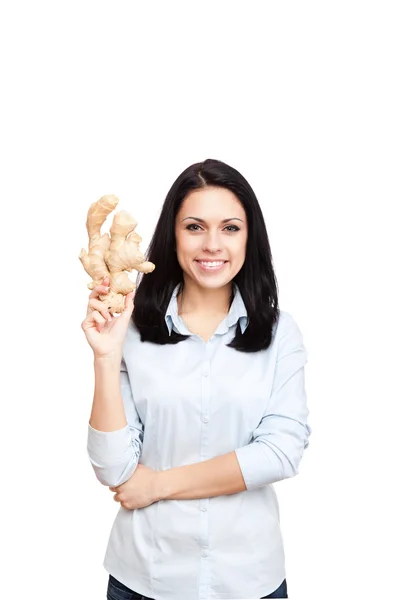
(113, 255)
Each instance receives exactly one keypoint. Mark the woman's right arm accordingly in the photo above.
(107, 410)
(115, 432)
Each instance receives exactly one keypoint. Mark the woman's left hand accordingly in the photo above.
(140, 490)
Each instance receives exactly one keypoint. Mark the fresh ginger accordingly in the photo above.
(113, 255)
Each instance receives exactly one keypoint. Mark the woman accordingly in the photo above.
(199, 403)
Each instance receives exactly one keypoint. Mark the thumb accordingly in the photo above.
(129, 302)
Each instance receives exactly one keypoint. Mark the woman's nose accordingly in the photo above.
(212, 244)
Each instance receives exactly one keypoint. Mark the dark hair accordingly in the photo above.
(256, 279)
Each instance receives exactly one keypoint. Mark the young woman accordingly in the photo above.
(199, 403)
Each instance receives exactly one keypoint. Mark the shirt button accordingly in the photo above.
(205, 373)
(203, 509)
(204, 554)
(205, 419)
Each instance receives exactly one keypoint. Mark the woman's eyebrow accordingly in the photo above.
(202, 220)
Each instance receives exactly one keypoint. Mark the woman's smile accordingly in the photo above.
(210, 266)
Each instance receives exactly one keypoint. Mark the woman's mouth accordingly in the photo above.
(211, 265)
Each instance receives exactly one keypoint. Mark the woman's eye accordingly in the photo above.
(192, 225)
(189, 227)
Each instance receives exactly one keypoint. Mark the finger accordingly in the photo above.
(86, 324)
(99, 320)
(98, 290)
(91, 321)
(129, 301)
(100, 307)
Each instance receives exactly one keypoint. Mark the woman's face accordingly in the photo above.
(211, 233)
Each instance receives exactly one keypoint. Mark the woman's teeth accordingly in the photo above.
(211, 265)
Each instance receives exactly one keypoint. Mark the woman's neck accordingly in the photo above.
(203, 301)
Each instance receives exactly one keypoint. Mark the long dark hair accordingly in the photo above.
(256, 279)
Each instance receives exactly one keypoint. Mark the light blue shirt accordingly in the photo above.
(186, 403)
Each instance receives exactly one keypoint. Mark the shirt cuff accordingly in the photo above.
(109, 447)
(259, 465)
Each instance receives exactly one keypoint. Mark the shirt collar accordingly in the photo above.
(236, 313)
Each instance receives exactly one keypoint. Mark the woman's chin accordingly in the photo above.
(211, 283)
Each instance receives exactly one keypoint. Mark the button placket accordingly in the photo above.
(205, 418)
(205, 399)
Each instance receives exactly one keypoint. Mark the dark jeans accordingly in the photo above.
(118, 591)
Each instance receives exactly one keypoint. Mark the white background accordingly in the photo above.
(120, 97)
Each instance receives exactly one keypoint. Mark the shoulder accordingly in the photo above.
(287, 327)
(132, 334)
(132, 331)
(131, 345)
(288, 335)
(286, 322)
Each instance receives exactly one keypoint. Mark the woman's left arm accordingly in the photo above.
(219, 476)
(277, 444)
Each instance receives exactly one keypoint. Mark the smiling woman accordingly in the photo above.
(208, 401)
(212, 219)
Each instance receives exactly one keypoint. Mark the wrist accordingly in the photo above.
(113, 359)
(163, 490)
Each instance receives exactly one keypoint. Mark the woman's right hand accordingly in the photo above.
(104, 332)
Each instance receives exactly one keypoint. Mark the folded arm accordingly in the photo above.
(277, 444)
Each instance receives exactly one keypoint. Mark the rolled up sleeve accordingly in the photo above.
(279, 441)
(114, 455)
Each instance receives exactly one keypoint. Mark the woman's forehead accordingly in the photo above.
(213, 203)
